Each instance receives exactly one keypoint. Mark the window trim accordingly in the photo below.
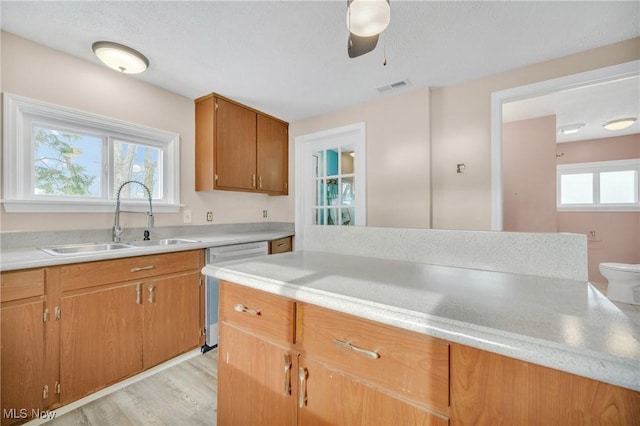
(18, 111)
(596, 168)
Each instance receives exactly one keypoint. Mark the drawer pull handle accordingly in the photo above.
(349, 346)
(281, 244)
(241, 308)
(143, 268)
(302, 389)
(138, 294)
(287, 374)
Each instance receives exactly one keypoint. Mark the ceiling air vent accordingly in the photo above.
(393, 86)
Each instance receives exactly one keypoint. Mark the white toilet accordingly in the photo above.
(624, 281)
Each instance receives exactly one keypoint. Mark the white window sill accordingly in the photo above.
(600, 208)
(47, 206)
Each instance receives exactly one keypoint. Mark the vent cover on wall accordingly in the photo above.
(393, 86)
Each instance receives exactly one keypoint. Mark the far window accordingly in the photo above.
(58, 159)
(607, 185)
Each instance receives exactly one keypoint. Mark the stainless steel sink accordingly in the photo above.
(162, 242)
(88, 248)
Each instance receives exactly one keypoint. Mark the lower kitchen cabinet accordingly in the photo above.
(490, 389)
(255, 380)
(122, 316)
(329, 397)
(25, 333)
(100, 338)
(306, 379)
(351, 371)
(70, 330)
(171, 317)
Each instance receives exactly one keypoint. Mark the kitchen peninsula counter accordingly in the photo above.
(564, 324)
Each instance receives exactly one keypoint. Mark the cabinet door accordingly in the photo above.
(327, 397)
(273, 155)
(256, 385)
(235, 147)
(171, 317)
(101, 339)
(22, 353)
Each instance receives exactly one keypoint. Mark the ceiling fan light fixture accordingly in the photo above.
(120, 57)
(366, 18)
(619, 124)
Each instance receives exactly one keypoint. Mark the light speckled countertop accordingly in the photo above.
(560, 323)
(23, 258)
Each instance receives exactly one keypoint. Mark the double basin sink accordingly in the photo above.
(87, 248)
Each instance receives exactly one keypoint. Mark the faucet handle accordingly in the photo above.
(117, 233)
(146, 235)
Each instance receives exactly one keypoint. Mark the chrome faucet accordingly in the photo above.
(117, 230)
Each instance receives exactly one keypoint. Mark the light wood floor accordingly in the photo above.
(184, 394)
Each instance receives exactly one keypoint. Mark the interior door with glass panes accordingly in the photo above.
(330, 182)
(334, 186)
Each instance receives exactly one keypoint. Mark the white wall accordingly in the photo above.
(398, 158)
(461, 132)
(38, 72)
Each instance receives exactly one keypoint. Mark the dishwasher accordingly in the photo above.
(217, 255)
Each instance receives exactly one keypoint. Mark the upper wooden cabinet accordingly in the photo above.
(239, 148)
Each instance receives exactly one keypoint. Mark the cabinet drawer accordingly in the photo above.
(264, 314)
(280, 246)
(21, 284)
(411, 365)
(91, 274)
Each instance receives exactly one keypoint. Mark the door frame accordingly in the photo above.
(569, 82)
(320, 140)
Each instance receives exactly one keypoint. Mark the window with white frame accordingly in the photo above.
(604, 185)
(63, 160)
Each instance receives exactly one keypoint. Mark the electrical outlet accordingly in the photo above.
(264, 214)
(209, 216)
(186, 216)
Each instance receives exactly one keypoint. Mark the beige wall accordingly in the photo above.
(398, 159)
(35, 71)
(604, 149)
(529, 170)
(461, 133)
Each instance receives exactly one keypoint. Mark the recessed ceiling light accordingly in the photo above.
(619, 124)
(570, 128)
(120, 57)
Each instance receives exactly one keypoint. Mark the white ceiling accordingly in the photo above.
(289, 58)
(592, 105)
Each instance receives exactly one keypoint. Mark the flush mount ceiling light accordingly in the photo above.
(366, 18)
(120, 57)
(570, 129)
(619, 124)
